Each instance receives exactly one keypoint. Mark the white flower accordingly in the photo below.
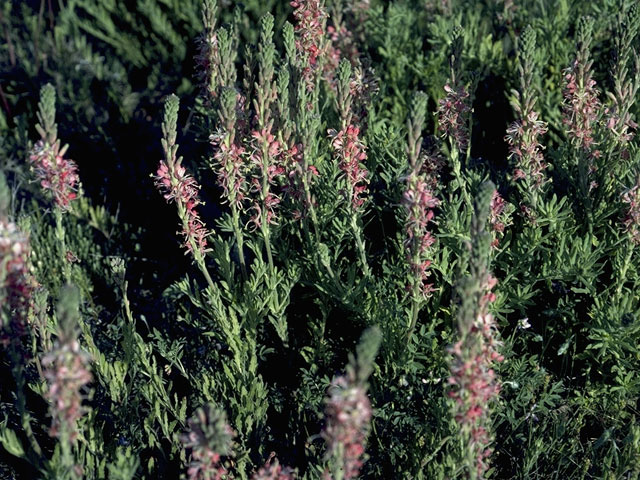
(524, 323)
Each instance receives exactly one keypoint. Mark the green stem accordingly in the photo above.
(239, 240)
(357, 231)
(61, 237)
(623, 270)
(457, 172)
(416, 303)
(35, 452)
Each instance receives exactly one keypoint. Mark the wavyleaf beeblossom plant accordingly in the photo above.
(66, 369)
(455, 108)
(57, 175)
(631, 219)
(419, 201)
(217, 54)
(311, 43)
(350, 154)
(207, 441)
(319, 234)
(499, 217)
(348, 412)
(176, 185)
(348, 416)
(474, 384)
(581, 107)
(16, 285)
(626, 79)
(524, 135)
(347, 145)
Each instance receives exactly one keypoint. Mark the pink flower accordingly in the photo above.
(581, 107)
(419, 201)
(56, 175)
(453, 116)
(311, 18)
(297, 174)
(348, 417)
(272, 470)
(266, 159)
(208, 439)
(525, 147)
(499, 217)
(351, 152)
(231, 172)
(473, 379)
(67, 374)
(631, 220)
(176, 185)
(16, 283)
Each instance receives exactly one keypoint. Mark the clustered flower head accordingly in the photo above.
(419, 201)
(56, 174)
(311, 18)
(272, 470)
(16, 284)
(499, 217)
(453, 115)
(348, 417)
(231, 171)
(176, 185)
(293, 160)
(351, 152)
(217, 53)
(523, 135)
(473, 379)
(269, 170)
(631, 220)
(208, 438)
(524, 145)
(67, 373)
(581, 107)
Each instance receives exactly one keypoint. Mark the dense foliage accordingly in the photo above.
(408, 239)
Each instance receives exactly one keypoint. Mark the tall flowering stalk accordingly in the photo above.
(267, 149)
(208, 438)
(631, 221)
(348, 413)
(57, 175)
(454, 117)
(300, 138)
(523, 135)
(176, 185)
(419, 201)
(581, 106)
(499, 217)
(631, 225)
(230, 166)
(16, 284)
(626, 81)
(350, 153)
(66, 369)
(473, 380)
(218, 47)
(454, 109)
(311, 43)
(16, 302)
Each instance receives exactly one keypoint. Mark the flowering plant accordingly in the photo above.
(442, 196)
